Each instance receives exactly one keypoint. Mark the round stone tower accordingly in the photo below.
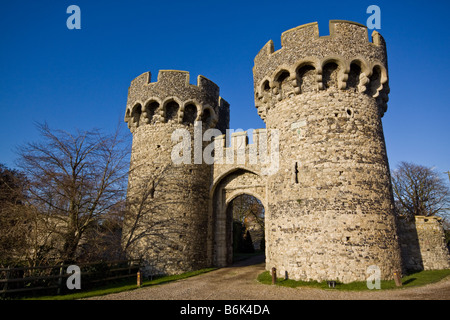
(330, 206)
(167, 221)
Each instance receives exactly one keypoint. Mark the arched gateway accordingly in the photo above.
(231, 184)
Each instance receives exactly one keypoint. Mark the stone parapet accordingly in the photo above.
(303, 64)
(173, 98)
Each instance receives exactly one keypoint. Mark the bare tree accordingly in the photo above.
(140, 217)
(157, 221)
(419, 190)
(249, 212)
(247, 208)
(74, 180)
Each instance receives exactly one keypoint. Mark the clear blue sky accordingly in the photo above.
(79, 78)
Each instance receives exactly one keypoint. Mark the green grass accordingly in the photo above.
(415, 279)
(121, 286)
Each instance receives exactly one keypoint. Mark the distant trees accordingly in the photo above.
(419, 190)
(247, 208)
(248, 224)
(71, 198)
(14, 215)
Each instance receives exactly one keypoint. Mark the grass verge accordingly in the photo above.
(126, 285)
(412, 280)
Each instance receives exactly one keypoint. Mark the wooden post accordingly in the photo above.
(5, 286)
(274, 275)
(397, 279)
(60, 281)
(139, 278)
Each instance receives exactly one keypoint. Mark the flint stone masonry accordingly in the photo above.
(169, 223)
(323, 95)
(320, 166)
(422, 243)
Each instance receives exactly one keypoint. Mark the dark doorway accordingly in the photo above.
(245, 224)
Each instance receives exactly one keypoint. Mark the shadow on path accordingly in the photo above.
(250, 261)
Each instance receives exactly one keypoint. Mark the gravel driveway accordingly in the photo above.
(239, 283)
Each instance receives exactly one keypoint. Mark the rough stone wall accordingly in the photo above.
(422, 243)
(171, 220)
(168, 217)
(330, 207)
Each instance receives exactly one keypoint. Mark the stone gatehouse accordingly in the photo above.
(320, 166)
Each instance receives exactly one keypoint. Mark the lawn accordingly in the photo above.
(414, 279)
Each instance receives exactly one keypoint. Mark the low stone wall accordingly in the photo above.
(422, 243)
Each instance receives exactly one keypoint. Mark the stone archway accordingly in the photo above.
(235, 182)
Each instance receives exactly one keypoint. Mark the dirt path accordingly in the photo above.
(239, 283)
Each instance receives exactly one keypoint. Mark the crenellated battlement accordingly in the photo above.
(170, 81)
(339, 30)
(235, 150)
(343, 60)
(173, 99)
(306, 36)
